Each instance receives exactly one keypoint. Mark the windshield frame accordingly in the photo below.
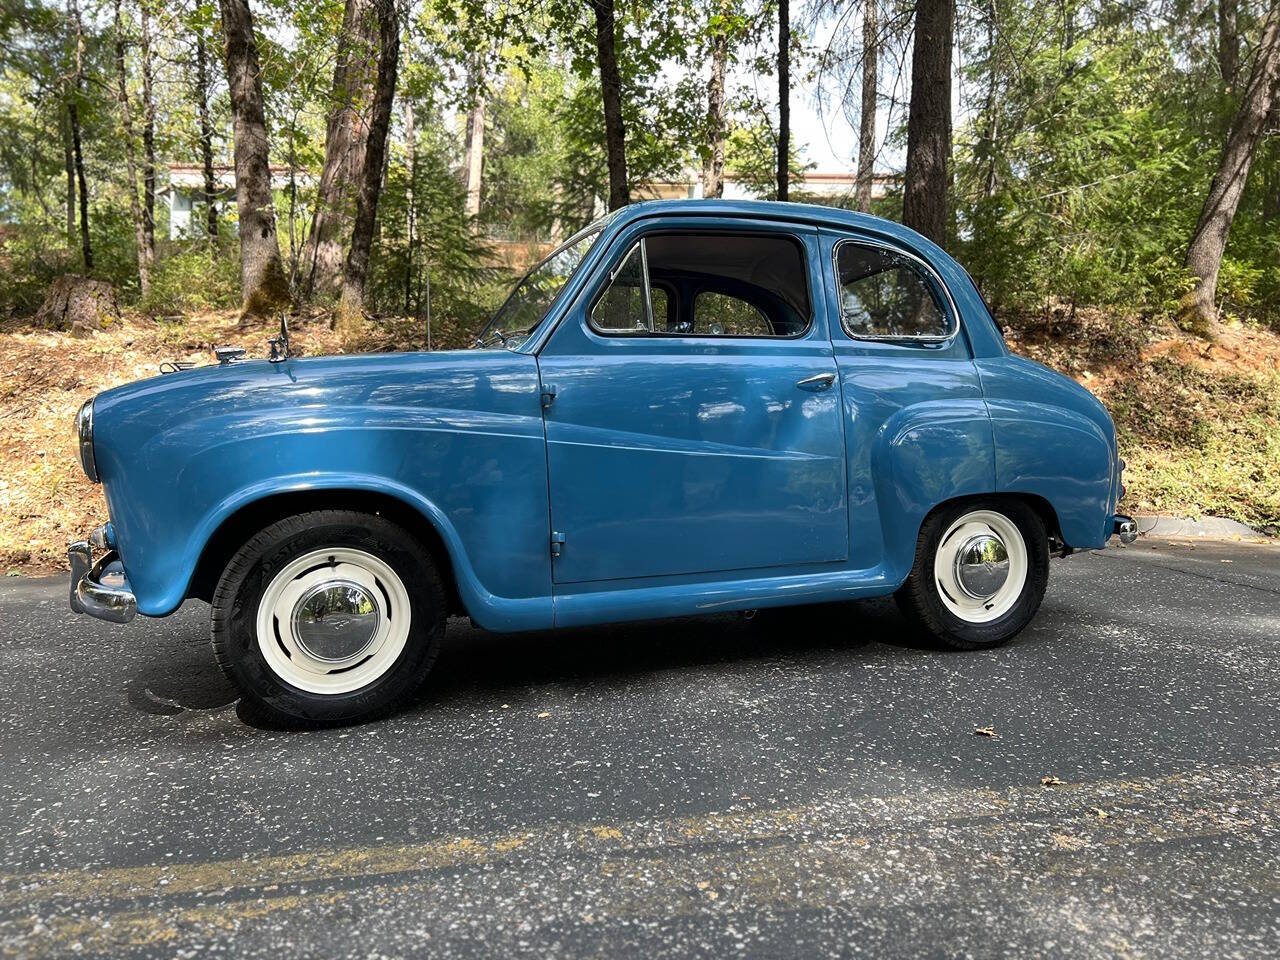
(491, 332)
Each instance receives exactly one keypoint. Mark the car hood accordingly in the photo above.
(248, 397)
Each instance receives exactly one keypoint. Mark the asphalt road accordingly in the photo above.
(805, 785)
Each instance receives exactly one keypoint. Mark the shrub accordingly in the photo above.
(189, 279)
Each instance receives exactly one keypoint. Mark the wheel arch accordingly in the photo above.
(235, 529)
(1042, 507)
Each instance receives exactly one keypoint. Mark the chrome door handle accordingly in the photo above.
(819, 382)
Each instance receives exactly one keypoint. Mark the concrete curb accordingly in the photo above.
(1216, 528)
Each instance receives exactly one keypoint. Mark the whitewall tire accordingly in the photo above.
(980, 572)
(328, 617)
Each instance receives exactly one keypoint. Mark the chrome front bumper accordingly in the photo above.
(100, 589)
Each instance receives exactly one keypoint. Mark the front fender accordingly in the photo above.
(491, 611)
(458, 438)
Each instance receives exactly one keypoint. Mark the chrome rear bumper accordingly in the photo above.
(1126, 528)
(100, 589)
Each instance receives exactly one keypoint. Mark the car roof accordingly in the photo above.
(811, 213)
(980, 328)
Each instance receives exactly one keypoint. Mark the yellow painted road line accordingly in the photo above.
(805, 857)
(834, 816)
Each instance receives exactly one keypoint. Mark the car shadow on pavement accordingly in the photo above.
(474, 661)
(186, 679)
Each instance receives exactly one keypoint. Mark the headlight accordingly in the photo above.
(84, 431)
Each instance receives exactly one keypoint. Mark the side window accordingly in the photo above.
(624, 308)
(704, 284)
(719, 314)
(884, 293)
(662, 318)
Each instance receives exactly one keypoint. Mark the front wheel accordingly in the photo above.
(980, 572)
(328, 617)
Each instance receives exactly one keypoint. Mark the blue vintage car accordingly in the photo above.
(690, 407)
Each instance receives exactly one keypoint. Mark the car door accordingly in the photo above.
(710, 439)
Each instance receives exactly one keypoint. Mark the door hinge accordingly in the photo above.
(557, 543)
(548, 395)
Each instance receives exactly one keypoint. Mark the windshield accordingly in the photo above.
(533, 296)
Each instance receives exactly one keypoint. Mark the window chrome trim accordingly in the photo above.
(949, 306)
(644, 282)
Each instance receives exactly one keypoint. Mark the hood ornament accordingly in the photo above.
(280, 344)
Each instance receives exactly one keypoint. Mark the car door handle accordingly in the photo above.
(815, 383)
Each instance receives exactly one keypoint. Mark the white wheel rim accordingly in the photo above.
(981, 527)
(355, 645)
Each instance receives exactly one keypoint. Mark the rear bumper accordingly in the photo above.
(1126, 528)
(100, 589)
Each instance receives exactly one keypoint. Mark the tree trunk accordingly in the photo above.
(69, 165)
(73, 115)
(867, 122)
(924, 198)
(713, 166)
(148, 139)
(350, 309)
(263, 285)
(990, 108)
(206, 141)
(130, 159)
(1198, 310)
(473, 154)
(411, 215)
(1228, 43)
(615, 138)
(1271, 183)
(82, 191)
(784, 98)
(345, 141)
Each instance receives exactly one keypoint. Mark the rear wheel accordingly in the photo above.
(980, 572)
(328, 617)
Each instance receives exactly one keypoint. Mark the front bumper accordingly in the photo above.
(100, 589)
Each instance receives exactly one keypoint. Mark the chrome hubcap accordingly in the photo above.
(982, 566)
(335, 621)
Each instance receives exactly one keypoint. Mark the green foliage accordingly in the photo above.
(1080, 176)
(751, 158)
(193, 278)
(525, 152)
(1195, 439)
(31, 258)
(443, 269)
(1087, 135)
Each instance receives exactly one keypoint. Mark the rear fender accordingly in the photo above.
(925, 455)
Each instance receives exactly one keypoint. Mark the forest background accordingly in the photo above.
(174, 174)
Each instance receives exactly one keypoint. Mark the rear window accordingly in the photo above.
(887, 294)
